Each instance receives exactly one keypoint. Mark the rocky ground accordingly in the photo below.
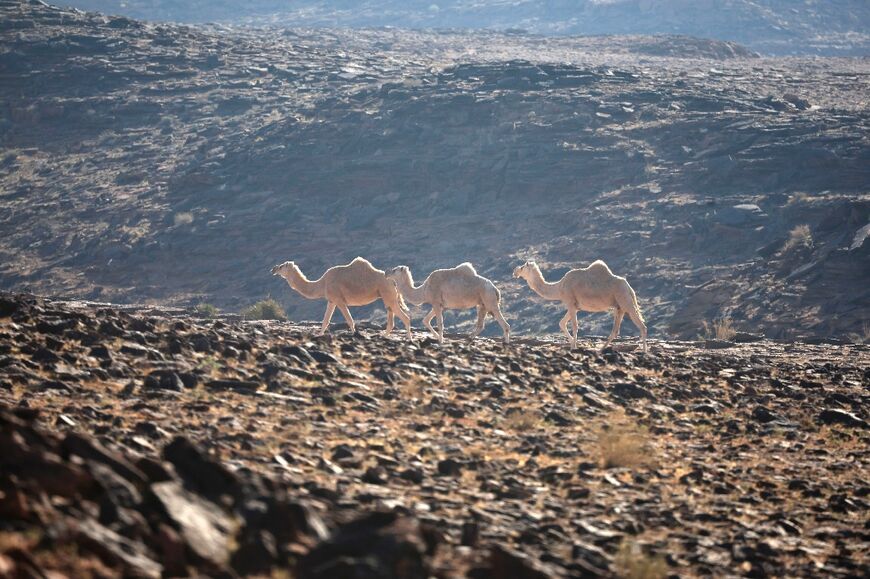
(178, 164)
(137, 441)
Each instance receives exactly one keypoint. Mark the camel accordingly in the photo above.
(358, 283)
(588, 289)
(458, 288)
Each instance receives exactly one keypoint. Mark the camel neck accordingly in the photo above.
(410, 293)
(310, 289)
(545, 289)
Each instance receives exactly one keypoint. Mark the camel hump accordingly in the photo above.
(361, 262)
(466, 267)
(598, 264)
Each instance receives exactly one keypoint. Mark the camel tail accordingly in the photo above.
(632, 297)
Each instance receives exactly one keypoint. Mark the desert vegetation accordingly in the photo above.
(267, 309)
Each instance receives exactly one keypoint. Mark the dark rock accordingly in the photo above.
(90, 449)
(631, 391)
(449, 467)
(164, 380)
(201, 473)
(382, 544)
(256, 555)
(376, 475)
(558, 418)
(505, 563)
(9, 306)
(763, 415)
(837, 416)
(117, 550)
(322, 357)
(243, 386)
(414, 475)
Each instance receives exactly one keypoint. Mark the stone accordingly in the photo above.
(837, 416)
(200, 472)
(204, 527)
(382, 544)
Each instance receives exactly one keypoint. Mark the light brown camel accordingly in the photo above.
(358, 283)
(588, 289)
(457, 288)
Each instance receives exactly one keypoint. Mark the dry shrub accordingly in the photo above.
(721, 329)
(205, 310)
(863, 337)
(521, 420)
(623, 443)
(267, 309)
(185, 218)
(632, 563)
(798, 238)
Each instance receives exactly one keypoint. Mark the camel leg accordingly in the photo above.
(406, 319)
(635, 317)
(327, 317)
(440, 315)
(505, 327)
(390, 322)
(617, 321)
(346, 313)
(563, 324)
(574, 326)
(427, 321)
(481, 320)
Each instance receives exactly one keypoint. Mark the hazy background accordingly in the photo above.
(176, 164)
(769, 26)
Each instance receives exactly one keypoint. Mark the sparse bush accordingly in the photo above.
(721, 329)
(632, 563)
(206, 310)
(184, 218)
(267, 309)
(863, 337)
(521, 420)
(624, 444)
(798, 238)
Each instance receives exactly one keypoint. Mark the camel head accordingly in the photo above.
(399, 272)
(283, 268)
(525, 269)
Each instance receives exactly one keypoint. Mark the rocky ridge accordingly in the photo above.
(177, 164)
(140, 441)
(770, 26)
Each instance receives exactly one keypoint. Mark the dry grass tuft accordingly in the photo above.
(623, 443)
(632, 563)
(721, 329)
(521, 421)
(414, 388)
(798, 238)
(267, 309)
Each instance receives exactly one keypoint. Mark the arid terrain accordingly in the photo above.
(151, 174)
(166, 443)
(176, 165)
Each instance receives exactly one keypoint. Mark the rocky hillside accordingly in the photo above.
(177, 164)
(141, 442)
(770, 26)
